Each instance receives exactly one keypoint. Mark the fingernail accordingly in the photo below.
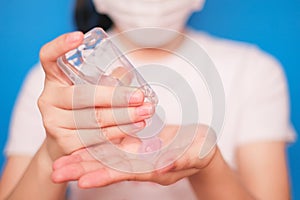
(145, 110)
(136, 97)
(73, 37)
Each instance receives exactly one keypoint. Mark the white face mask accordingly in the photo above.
(165, 14)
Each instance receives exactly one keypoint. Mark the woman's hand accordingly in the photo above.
(67, 109)
(73, 111)
(171, 166)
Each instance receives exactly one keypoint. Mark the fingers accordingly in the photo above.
(56, 48)
(97, 117)
(70, 159)
(90, 137)
(105, 176)
(90, 96)
(61, 45)
(99, 140)
(102, 117)
(96, 138)
(73, 172)
(91, 174)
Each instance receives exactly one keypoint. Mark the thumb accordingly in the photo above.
(56, 48)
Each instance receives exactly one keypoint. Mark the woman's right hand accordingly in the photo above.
(68, 109)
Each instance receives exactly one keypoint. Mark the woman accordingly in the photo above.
(249, 161)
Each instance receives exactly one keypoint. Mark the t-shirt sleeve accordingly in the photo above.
(26, 128)
(265, 111)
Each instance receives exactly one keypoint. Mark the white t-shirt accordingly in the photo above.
(257, 109)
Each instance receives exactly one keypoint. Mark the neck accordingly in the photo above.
(149, 54)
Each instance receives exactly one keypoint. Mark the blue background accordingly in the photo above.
(274, 25)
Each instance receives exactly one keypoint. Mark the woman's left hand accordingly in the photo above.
(90, 173)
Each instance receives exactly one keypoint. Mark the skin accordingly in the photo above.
(62, 157)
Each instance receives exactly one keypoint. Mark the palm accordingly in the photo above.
(106, 163)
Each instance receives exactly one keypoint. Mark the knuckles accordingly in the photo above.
(49, 119)
(42, 53)
(42, 103)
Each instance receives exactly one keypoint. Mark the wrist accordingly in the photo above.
(208, 175)
(37, 179)
(45, 162)
(52, 149)
(209, 159)
(212, 163)
(44, 158)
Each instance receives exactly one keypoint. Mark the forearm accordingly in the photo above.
(36, 182)
(218, 181)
